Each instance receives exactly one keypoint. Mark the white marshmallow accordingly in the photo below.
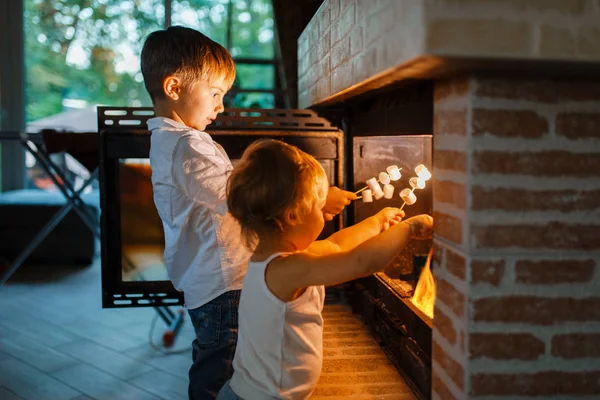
(394, 172)
(417, 183)
(373, 185)
(388, 191)
(367, 196)
(423, 172)
(384, 178)
(378, 194)
(408, 196)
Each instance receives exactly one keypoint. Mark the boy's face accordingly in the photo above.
(200, 102)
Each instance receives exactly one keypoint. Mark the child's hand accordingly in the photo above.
(337, 200)
(421, 226)
(389, 216)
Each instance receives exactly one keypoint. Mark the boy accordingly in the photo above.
(187, 74)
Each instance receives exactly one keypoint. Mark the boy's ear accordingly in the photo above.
(172, 87)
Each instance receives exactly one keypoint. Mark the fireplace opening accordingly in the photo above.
(393, 126)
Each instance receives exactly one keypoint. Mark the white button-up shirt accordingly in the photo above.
(204, 254)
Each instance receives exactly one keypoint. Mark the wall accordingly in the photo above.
(352, 46)
(517, 222)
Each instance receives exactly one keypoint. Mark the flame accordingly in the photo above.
(424, 297)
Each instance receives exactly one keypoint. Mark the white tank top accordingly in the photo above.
(279, 352)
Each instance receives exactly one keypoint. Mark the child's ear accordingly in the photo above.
(172, 87)
(291, 218)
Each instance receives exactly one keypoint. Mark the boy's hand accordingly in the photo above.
(421, 226)
(389, 216)
(337, 200)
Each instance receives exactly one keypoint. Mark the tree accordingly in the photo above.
(88, 50)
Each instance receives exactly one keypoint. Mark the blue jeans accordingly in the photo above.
(216, 326)
(227, 393)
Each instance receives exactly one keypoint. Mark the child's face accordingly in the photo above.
(200, 102)
(313, 222)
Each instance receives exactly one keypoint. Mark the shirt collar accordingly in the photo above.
(163, 122)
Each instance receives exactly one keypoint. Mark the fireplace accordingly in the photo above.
(510, 93)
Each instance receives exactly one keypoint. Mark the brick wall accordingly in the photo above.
(517, 222)
(352, 46)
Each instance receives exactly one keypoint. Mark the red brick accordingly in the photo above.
(450, 296)
(554, 271)
(450, 160)
(448, 227)
(544, 91)
(543, 163)
(547, 383)
(449, 122)
(553, 235)
(536, 310)
(456, 264)
(578, 125)
(486, 271)
(438, 386)
(575, 345)
(533, 200)
(451, 89)
(452, 368)
(450, 193)
(505, 346)
(444, 325)
(509, 123)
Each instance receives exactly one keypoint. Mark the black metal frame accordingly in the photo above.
(123, 134)
(401, 329)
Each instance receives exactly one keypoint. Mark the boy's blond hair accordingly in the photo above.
(273, 177)
(186, 53)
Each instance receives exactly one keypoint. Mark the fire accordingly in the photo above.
(424, 297)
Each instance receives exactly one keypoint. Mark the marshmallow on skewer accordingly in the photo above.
(417, 183)
(378, 194)
(408, 196)
(388, 191)
(394, 172)
(422, 172)
(373, 184)
(367, 196)
(384, 178)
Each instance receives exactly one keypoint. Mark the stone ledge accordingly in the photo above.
(352, 46)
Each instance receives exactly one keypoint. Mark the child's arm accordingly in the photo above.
(287, 276)
(348, 238)
(200, 172)
(337, 200)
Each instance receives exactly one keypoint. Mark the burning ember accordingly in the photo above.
(424, 297)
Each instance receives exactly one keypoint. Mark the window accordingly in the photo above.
(81, 54)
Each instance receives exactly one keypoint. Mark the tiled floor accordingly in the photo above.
(56, 342)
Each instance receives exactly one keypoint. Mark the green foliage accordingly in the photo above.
(88, 50)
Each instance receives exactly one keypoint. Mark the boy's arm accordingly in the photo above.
(287, 275)
(337, 200)
(200, 172)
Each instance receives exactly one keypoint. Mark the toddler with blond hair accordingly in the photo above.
(277, 194)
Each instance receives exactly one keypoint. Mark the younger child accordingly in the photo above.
(187, 74)
(277, 194)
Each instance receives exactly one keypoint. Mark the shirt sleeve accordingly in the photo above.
(201, 172)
